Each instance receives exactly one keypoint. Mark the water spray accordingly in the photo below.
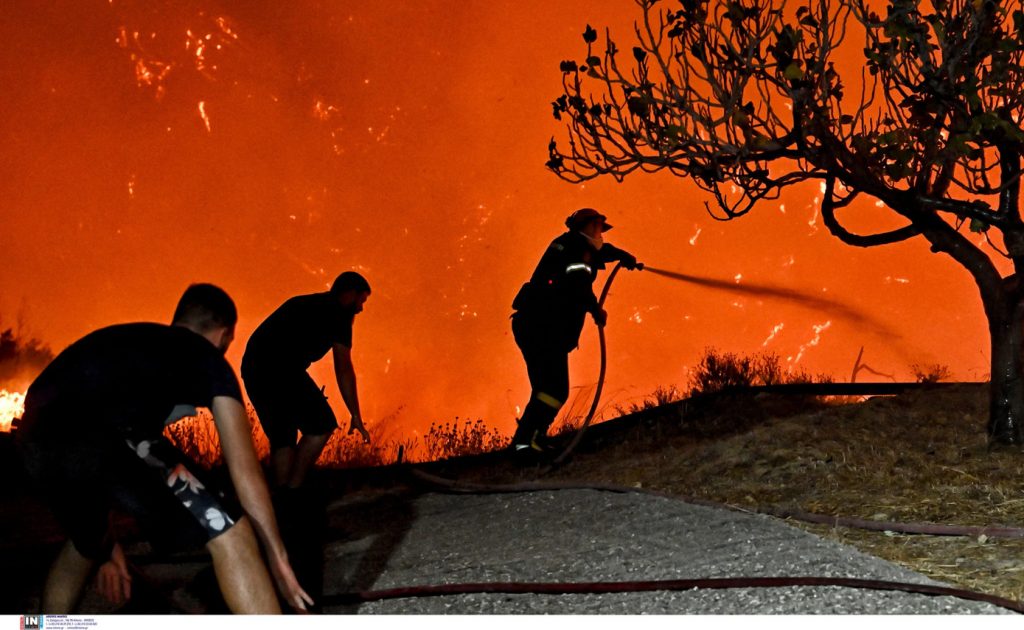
(815, 302)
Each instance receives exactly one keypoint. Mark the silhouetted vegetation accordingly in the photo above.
(662, 395)
(722, 371)
(197, 438)
(931, 373)
(462, 438)
(21, 358)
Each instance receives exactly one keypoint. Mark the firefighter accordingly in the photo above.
(550, 311)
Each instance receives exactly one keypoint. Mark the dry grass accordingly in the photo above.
(919, 457)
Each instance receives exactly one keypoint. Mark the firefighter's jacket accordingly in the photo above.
(551, 308)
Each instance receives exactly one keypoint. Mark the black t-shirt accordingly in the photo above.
(128, 378)
(299, 333)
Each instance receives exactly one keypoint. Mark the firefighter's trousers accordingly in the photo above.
(547, 364)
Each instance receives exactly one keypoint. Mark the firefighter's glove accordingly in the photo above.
(600, 317)
(629, 262)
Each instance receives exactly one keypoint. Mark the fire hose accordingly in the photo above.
(560, 459)
(567, 588)
(460, 487)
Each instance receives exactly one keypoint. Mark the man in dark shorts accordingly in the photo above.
(550, 311)
(92, 440)
(286, 399)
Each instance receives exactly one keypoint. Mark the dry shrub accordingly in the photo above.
(455, 439)
(196, 436)
(348, 450)
(931, 373)
(724, 371)
(662, 395)
(572, 416)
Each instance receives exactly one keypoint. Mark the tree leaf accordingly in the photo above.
(793, 71)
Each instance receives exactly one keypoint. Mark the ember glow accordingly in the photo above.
(12, 405)
(269, 146)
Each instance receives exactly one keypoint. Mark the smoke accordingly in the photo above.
(21, 359)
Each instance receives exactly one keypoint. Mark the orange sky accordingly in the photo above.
(407, 141)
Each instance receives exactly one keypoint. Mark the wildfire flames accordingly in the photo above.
(12, 405)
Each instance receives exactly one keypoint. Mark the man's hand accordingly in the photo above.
(288, 584)
(629, 262)
(600, 317)
(113, 582)
(357, 425)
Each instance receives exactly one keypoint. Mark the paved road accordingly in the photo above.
(589, 535)
(406, 538)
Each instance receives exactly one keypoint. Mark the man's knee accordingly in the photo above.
(239, 538)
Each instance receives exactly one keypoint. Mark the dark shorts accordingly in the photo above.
(288, 404)
(83, 481)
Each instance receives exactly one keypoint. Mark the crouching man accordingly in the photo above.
(91, 441)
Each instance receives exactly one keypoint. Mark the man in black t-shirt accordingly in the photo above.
(92, 440)
(286, 399)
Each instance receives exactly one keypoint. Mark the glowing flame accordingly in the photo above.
(813, 223)
(204, 115)
(12, 405)
(775, 331)
(818, 329)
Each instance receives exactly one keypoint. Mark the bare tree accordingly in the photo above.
(743, 96)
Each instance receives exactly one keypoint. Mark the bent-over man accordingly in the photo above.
(92, 440)
(286, 398)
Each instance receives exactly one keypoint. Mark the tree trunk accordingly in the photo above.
(1006, 413)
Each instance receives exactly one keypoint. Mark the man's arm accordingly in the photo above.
(247, 477)
(579, 280)
(345, 372)
(610, 253)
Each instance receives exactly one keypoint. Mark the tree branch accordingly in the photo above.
(828, 207)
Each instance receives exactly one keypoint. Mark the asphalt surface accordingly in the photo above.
(408, 540)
